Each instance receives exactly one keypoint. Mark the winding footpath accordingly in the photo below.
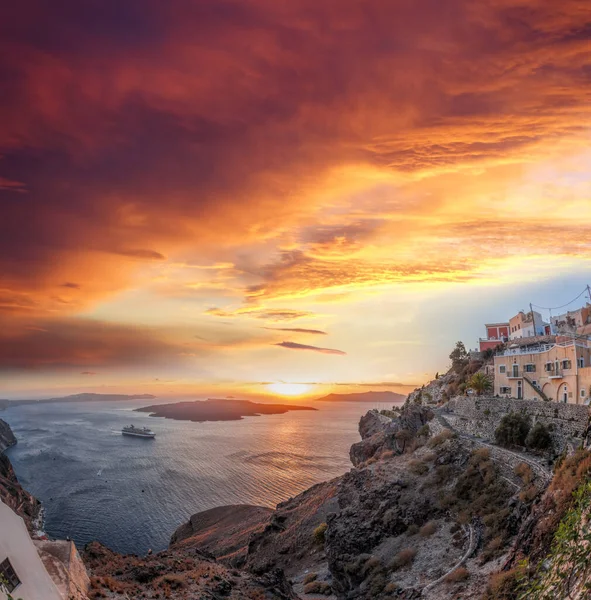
(544, 474)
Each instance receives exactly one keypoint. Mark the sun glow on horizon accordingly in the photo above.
(289, 389)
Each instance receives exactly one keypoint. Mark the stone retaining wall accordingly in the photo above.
(481, 416)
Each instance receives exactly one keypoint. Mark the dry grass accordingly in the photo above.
(418, 467)
(428, 529)
(445, 435)
(404, 558)
(388, 454)
(320, 533)
(459, 574)
(318, 587)
(529, 494)
(310, 577)
(502, 586)
(524, 472)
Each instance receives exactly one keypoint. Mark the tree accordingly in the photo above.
(458, 356)
(404, 436)
(480, 383)
(512, 430)
(538, 437)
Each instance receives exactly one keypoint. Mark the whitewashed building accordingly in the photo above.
(38, 569)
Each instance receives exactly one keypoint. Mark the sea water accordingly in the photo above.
(131, 493)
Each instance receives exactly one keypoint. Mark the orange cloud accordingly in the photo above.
(303, 149)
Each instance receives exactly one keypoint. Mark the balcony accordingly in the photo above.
(558, 374)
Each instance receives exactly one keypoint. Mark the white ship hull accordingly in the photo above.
(143, 435)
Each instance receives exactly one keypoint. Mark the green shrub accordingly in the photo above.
(512, 430)
(424, 431)
(538, 437)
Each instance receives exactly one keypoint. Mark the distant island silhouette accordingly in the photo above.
(216, 409)
(86, 397)
(392, 397)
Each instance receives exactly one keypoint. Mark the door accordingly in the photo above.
(520, 389)
(515, 370)
(565, 395)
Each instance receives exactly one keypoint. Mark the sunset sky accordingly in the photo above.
(210, 196)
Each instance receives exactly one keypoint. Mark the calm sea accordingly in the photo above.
(131, 493)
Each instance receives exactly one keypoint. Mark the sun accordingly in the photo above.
(289, 389)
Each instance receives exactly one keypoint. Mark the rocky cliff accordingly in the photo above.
(11, 492)
(7, 438)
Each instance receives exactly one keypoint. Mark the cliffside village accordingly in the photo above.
(537, 359)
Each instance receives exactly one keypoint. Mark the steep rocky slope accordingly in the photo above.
(7, 438)
(182, 574)
(225, 531)
(426, 512)
(11, 492)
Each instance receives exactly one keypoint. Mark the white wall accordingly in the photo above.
(17, 546)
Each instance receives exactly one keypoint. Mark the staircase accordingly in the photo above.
(536, 388)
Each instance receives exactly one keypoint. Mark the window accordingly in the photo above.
(502, 368)
(6, 571)
(581, 362)
(530, 368)
(549, 367)
(582, 393)
(505, 390)
(566, 364)
(535, 382)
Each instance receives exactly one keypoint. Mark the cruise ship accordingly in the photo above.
(137, 432)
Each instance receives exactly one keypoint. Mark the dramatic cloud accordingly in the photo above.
(265, 314)
(159, 158)
(297, 330)
(296, 346)
(75, 343)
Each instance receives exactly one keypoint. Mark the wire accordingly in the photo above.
(564, 305)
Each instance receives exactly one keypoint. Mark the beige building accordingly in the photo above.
(560, 371)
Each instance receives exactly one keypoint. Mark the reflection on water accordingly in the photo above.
(131, 493)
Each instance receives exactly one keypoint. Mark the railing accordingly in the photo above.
(555, 374)
(527, 350)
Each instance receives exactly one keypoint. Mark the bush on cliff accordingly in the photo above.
(459, 357)
(320, 533)
(512, 430)
(403, 437)
(539, 438)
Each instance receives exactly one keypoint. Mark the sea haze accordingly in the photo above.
(131, 493)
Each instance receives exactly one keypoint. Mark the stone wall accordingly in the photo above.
(481, 416)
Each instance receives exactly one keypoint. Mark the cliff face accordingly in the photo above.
(7, 438)
(11, 492)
